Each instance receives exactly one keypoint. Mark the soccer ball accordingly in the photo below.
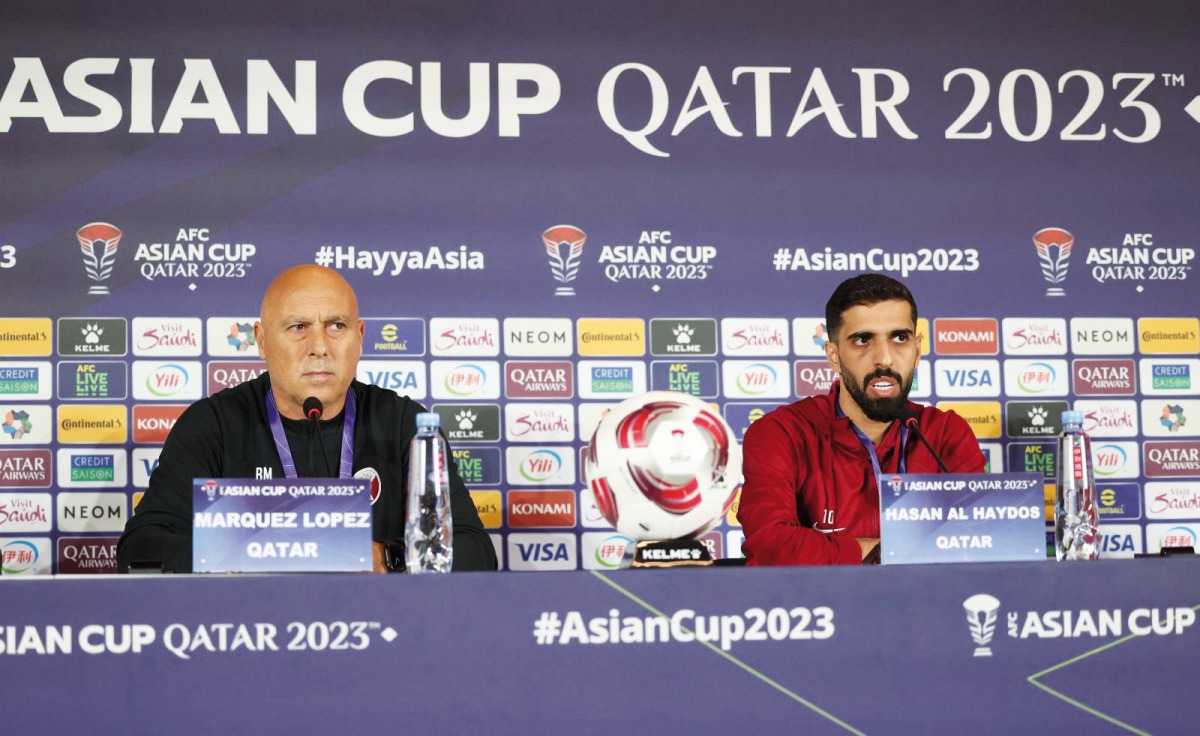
(663, 466)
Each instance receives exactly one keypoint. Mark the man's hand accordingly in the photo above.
(867, 545)
(377, 557)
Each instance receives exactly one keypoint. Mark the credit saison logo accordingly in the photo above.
(613, 337)
(25, 336)
(463, 337)
(25, 381)
(1169, 376)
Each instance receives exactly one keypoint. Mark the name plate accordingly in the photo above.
(962, 517)
(302, 525)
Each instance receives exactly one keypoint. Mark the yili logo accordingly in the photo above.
(1036, 378)
(467, 379)
(1053, 246)
(758, 378)
(1109, 459)
(98, 243)
(170, 379)
(19, 557)
(540, 466)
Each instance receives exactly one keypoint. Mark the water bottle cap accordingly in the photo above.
(1072, 416)
(428, 419)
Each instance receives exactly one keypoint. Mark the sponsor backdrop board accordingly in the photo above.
(1083, 648)
(539, 229)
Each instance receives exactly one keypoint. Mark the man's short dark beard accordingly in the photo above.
(878, 410)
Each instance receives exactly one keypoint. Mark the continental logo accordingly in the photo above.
(104, 424)
(22, 337)
(489, 504)
(966, 337)
(983, 416)
(1158, 336)
(731, 517)
(619, 337)
(923, 333)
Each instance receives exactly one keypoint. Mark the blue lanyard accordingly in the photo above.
(345, 467)
(870, 447)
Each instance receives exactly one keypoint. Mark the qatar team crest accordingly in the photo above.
(371, 475)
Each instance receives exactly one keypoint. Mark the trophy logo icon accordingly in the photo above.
(1053, 247)
(564, 248)
(98, 241)
(982, 612)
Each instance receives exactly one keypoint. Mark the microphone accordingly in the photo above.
(908, 416)
(313, 409)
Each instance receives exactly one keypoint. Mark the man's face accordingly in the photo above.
(311, 338)
(876, 352)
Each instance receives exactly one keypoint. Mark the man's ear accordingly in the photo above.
(831, 354)
(259, 334)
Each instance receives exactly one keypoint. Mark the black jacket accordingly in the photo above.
(227, 436)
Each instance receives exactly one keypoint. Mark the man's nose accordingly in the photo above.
(318, 343)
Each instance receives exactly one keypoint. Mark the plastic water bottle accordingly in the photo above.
(1076, 523)
(428, 530)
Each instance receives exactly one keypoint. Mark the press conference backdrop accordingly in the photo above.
(546, 209)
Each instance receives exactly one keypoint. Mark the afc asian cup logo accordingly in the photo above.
(564, 248)
(98, 241)
(982, 612)
(896, 484)
(210, 489)
(1053, 247)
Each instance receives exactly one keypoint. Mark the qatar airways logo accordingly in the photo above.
(749, 337)
(464, 337)
(155, 336)
(1103, 377)
(1034, 336)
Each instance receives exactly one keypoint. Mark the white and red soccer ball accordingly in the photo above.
(663, 465)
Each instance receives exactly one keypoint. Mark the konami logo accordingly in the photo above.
(541, 509)
(153, 422)
(966, 337)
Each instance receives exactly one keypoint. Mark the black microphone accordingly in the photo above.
(908, 416)
(313, 409)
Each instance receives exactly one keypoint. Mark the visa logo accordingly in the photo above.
(543, 552)
(969, 378)
(393, 379)
(149, 466)
(1114, 543)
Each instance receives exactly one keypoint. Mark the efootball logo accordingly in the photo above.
(564, 248)
(1053, 246)
(98, 242)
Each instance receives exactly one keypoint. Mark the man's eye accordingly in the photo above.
(901, 338)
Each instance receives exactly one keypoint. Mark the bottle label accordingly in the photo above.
(1077, 462)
